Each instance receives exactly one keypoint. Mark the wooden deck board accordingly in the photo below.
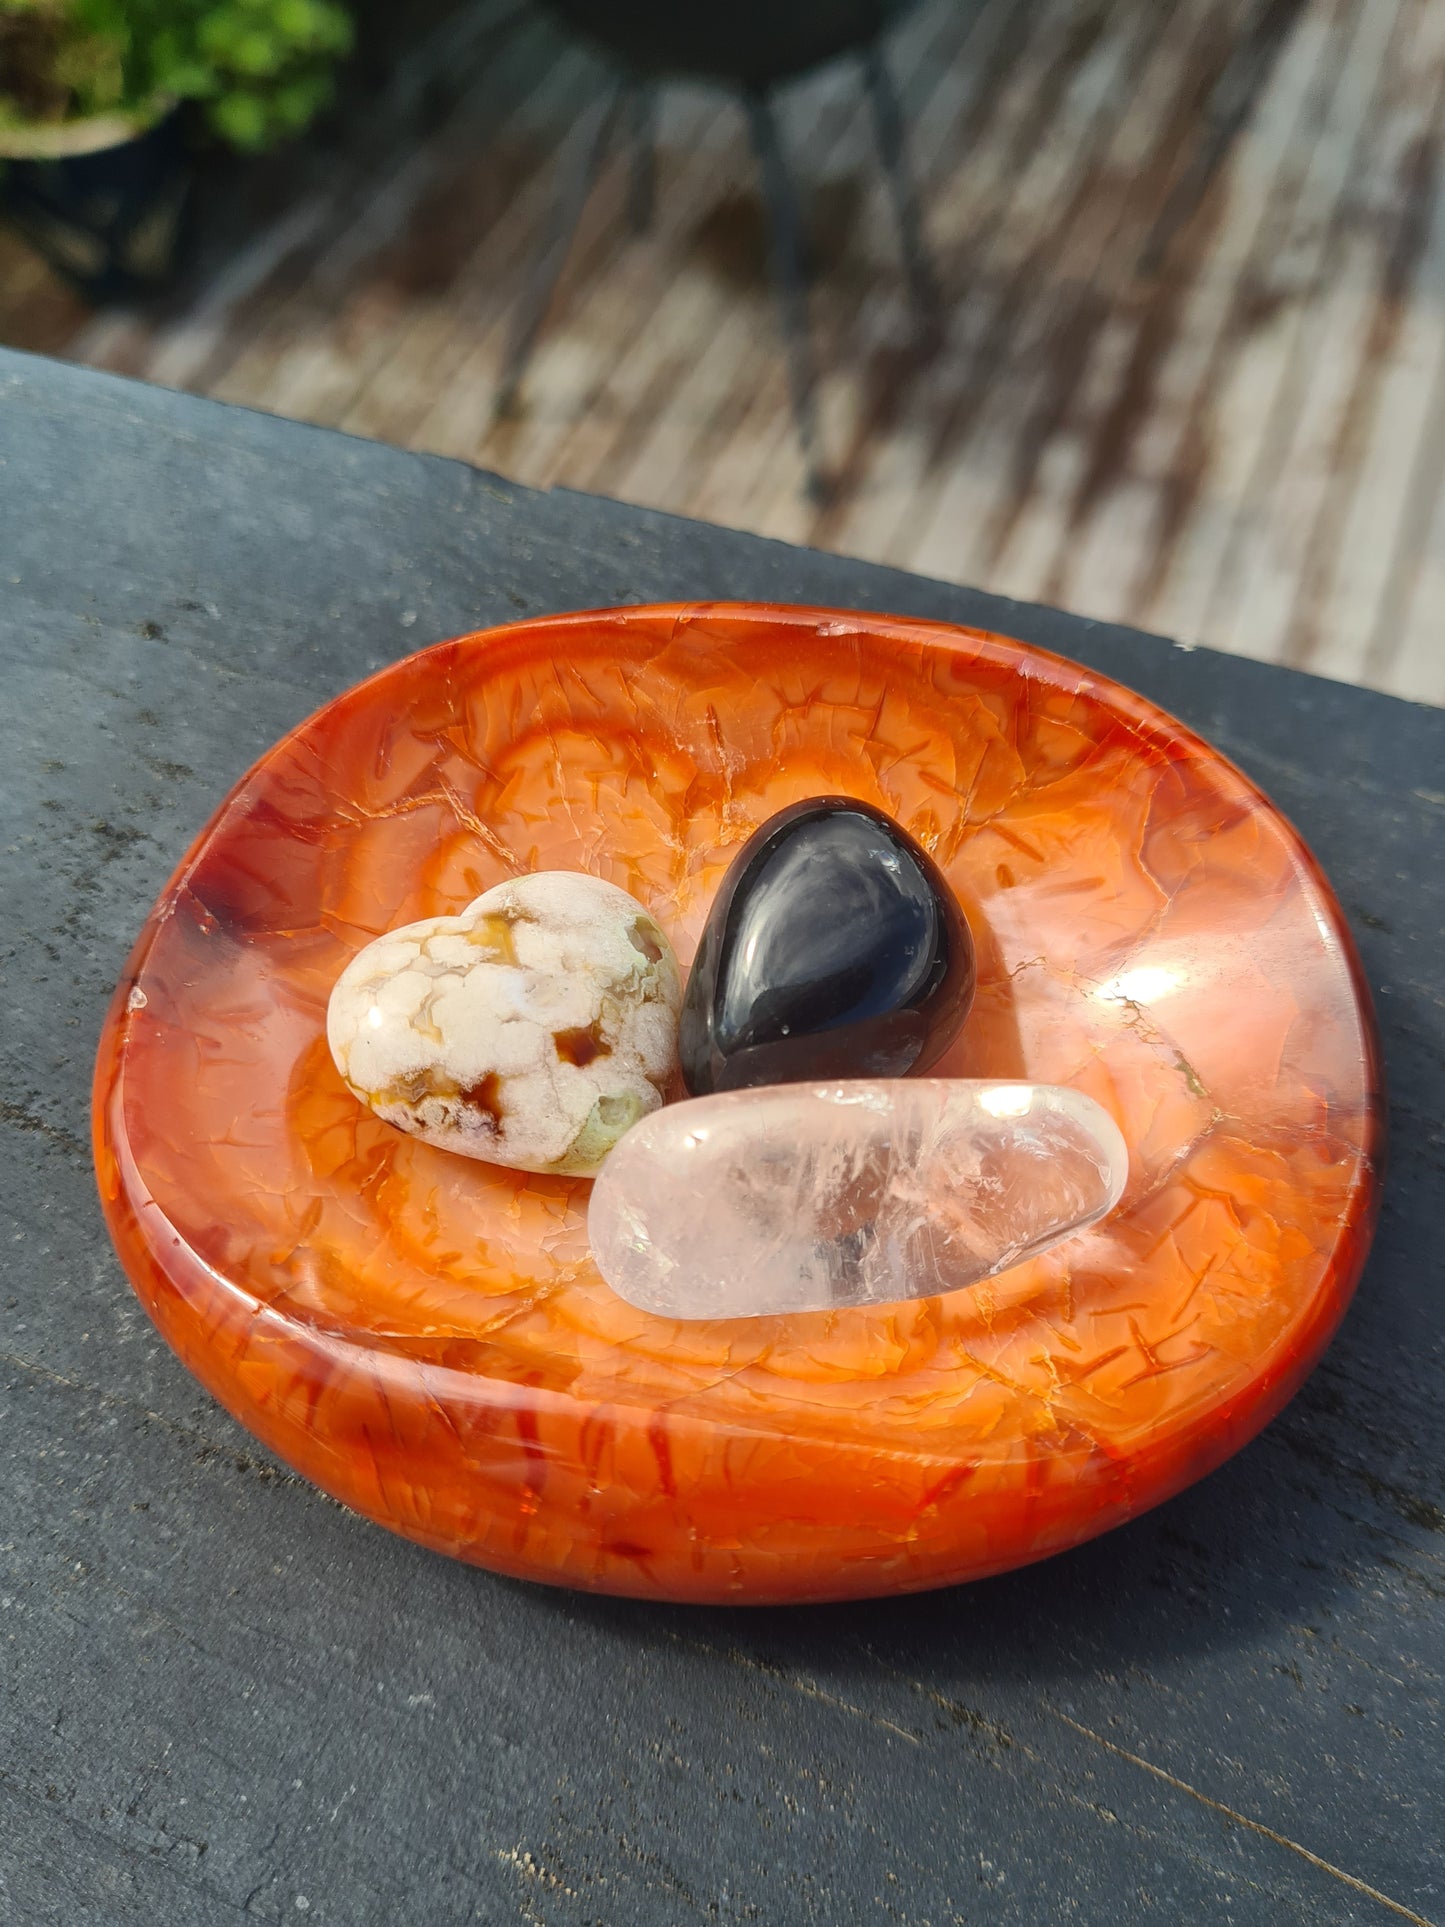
(1285, 531)
(1063, 341)
(1245, 448)
(1169, 522)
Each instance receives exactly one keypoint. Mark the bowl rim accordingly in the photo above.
(1259, 1398)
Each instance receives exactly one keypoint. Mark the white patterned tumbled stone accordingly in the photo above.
(531, 1030)
(804, 1197)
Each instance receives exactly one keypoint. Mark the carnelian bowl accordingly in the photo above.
(427, 1339)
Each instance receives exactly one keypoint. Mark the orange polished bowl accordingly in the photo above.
(427, 1339)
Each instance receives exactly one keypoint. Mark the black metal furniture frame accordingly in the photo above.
(630, 102)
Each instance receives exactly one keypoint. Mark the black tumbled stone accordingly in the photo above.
(834, 949)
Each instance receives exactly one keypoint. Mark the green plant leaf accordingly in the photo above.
(241, 119)
(264, 66)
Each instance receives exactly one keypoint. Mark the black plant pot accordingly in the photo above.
(112, 220)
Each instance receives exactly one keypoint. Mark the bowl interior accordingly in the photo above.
(1149, 931)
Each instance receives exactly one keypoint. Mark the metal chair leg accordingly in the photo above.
(893, 152)
(642, 179)
(579, 169)
(786, 248)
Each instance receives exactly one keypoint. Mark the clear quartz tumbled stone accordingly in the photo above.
(811, 1197)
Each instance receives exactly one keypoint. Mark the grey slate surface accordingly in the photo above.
(223, 1698)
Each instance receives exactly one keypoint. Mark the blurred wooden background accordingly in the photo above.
(1244, 447)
